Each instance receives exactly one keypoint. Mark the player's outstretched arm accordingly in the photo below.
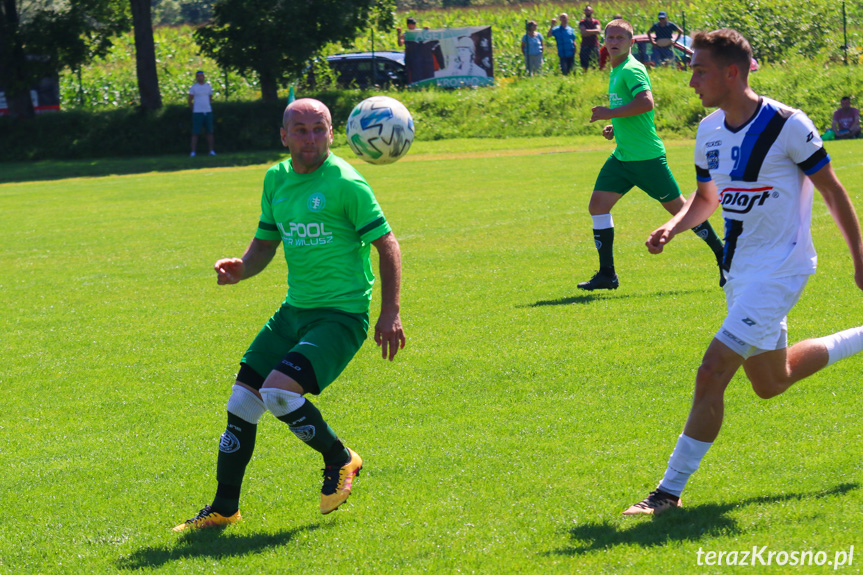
(389, 334)
(843, 213)
(696, 210)
(257, 256)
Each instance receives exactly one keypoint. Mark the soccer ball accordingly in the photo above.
(380, 130)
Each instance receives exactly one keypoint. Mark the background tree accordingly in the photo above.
(277, 38)
(145, 55)
(45, 39)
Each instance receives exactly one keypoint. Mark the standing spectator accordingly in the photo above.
(846, 120)
(590, 29)
(531, 47)
(411, 24)
(662, 43)
(564, 36)
(418, 62)
(201, 100)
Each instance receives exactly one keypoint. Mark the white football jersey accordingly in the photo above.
(760, 171)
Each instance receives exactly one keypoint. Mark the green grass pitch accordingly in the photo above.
(520, 420)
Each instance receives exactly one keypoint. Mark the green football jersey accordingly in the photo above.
(636, 135)
(326, 221)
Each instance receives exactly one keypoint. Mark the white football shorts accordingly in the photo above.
(757, 311)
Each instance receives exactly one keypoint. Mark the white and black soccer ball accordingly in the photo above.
(380, 130)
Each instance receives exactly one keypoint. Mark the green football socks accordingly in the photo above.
(706, 232)
(235, 451)
(308, 425)
(604, 240)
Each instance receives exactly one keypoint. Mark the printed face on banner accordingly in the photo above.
(450, 57)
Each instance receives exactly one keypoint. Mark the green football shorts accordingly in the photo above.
(328, 338)
(652, 176)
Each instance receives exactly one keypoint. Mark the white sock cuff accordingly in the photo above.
(602, 222)
(281, 401)
(687, 454)
(684, 460)
(843, 344)
(245, 404)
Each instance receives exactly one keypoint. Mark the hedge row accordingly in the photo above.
(239, 126)
(539, 106)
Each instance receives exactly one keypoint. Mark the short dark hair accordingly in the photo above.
(726, 45)
(846, 98)
(411, 21)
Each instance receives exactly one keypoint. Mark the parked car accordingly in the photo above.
(364, 69)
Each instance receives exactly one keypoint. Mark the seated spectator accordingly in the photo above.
(846, 120)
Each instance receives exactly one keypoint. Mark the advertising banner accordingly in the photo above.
(449, 57)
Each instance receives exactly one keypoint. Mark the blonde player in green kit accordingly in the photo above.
(326, 218)
(638, 160)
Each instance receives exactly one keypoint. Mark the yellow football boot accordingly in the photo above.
(207, 518)
(338, 482)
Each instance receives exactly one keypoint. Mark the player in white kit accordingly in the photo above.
(758, 159)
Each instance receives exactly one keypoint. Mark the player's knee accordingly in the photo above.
(597, 208)
(711, 379)
(245, 404)
(767, 388)
(281, 402)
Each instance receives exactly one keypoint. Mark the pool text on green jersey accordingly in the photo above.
(298, 235)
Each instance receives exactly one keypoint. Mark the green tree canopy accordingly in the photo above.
(46, 38)
(277, 38)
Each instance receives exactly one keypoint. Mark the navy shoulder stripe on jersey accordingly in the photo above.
(760, 136)
(702, 174)
(815, 162)
(369, 227)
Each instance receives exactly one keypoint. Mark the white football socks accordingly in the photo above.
(245, 404)
(281, 402)
(684, 460)
(602, 222)
(843, 344)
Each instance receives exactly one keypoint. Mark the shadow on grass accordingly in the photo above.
(213, 543)
(93, 168)
(589, 297)
(685, 524)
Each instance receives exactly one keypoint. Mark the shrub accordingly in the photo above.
(523, 107)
